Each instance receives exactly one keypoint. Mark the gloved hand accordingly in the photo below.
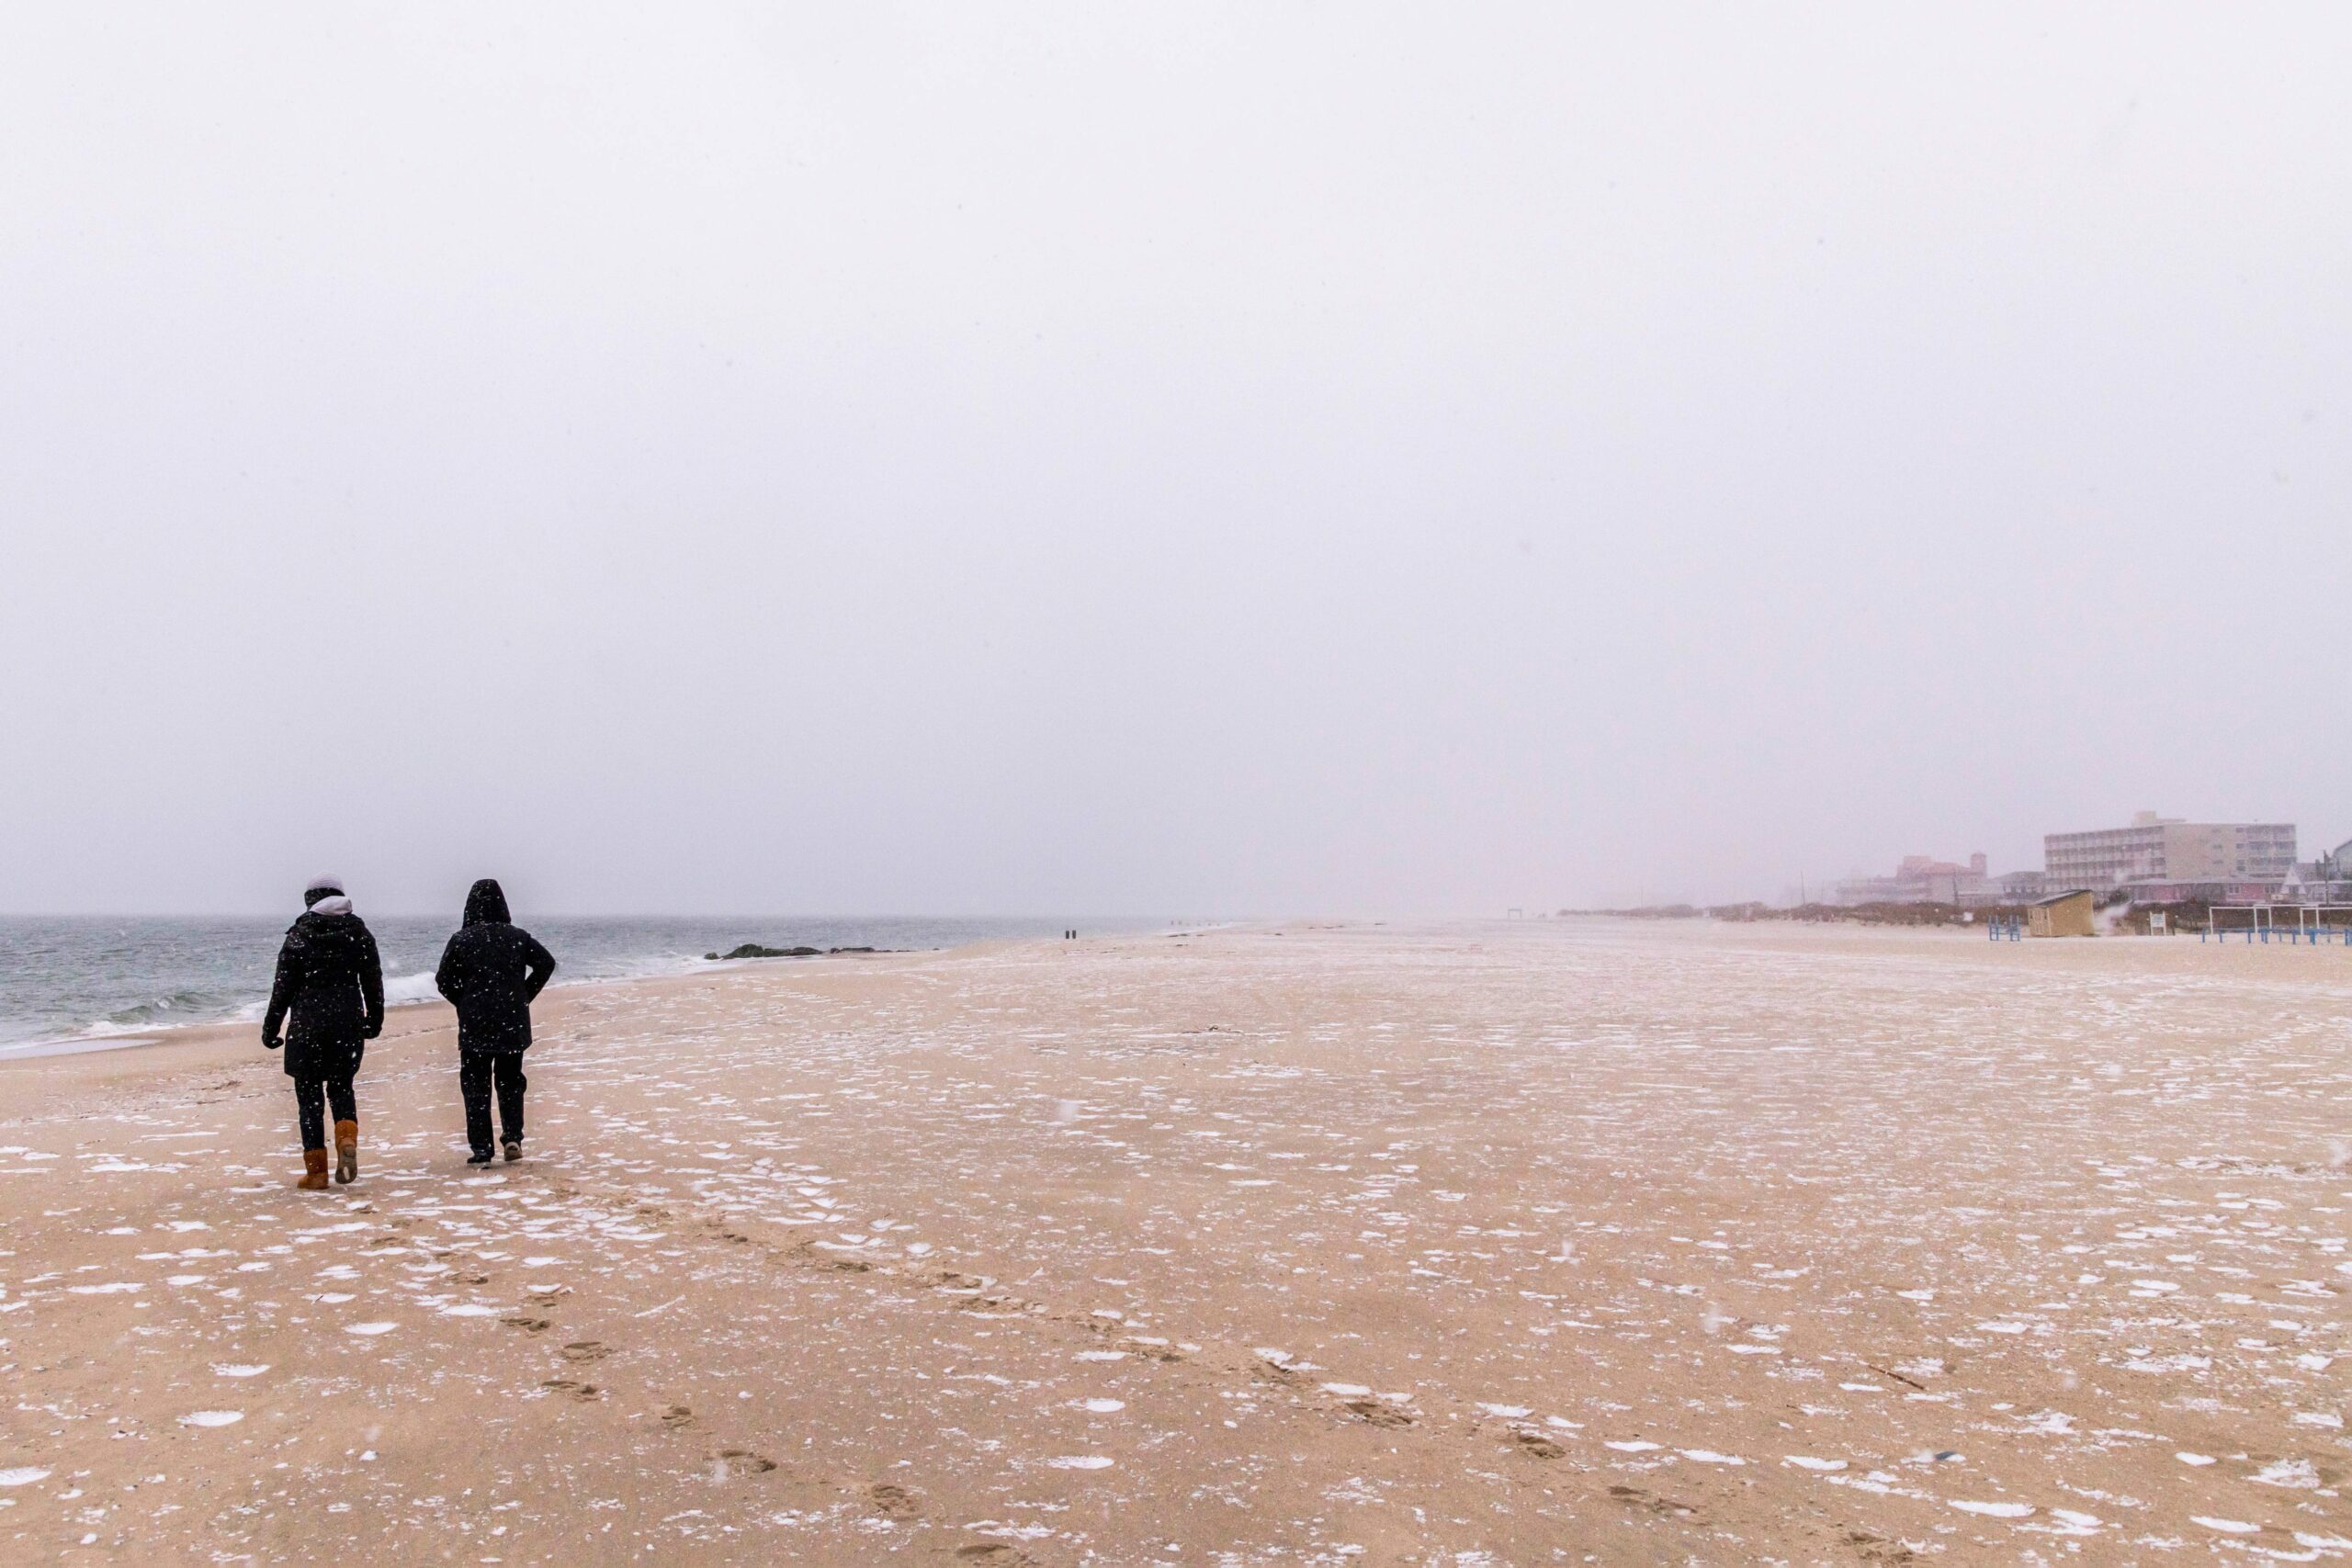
(270, 1043)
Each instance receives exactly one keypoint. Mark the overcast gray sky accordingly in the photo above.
(1172, 459)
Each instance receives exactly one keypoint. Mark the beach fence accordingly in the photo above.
(2005, 927)
(2301, 925)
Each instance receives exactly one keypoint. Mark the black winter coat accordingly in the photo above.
(491, 971)
(331, 980)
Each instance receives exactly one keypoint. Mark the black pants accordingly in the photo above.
(308, 1092)
(477, 1072)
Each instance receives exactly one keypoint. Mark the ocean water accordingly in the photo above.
(99, 977)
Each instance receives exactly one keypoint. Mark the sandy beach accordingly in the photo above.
(1578, 1242)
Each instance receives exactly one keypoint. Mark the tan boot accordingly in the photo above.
(314, 1171)
(347, 1151)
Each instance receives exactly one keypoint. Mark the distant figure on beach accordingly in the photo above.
(331, 980)
(491, 971)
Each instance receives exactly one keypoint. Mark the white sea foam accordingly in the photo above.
(404, 989)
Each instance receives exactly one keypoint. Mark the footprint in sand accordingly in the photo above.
(585, 1350)
(1266, 1370)
(527, 1324)
(676, 1418)
(582, 1390)
(991, 1552)
(892, 1502)
(1153, 1349)
(741, 1461)
(1651, 1501)
(1361, 1403)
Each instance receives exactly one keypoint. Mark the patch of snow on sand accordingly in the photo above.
(2297, 1474)
(212, 1418)
(370, 1328)
(1080, 1461)
(1995, 1510)
(23, 1475)
(229, 1370)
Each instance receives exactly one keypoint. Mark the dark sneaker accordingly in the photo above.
(479, 1156)
(514, 1150)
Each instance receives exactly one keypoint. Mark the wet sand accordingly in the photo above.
(1510, 1244)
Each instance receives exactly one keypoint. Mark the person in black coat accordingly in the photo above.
(491, 971)
(331, 981)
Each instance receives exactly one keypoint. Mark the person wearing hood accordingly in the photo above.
(331, 982)
(490, 972)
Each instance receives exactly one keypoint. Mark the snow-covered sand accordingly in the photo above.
(1512, 1244)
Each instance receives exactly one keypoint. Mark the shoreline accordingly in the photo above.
(248, 1016)
(68, 980)
(99, 1039)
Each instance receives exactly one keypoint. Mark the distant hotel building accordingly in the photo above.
(1919, 879)
(2164, 857)
(2020, 886)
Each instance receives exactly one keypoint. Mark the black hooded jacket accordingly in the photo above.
(491, 971)
(331, 980)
